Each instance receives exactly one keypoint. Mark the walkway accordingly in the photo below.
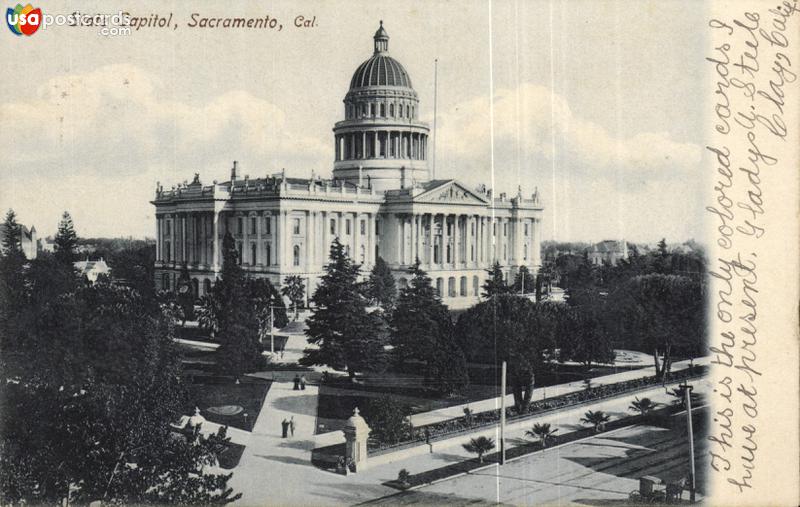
(279, 471)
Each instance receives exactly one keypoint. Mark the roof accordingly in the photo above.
(380, 70)
(609, 246)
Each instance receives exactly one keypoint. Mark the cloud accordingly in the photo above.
(531, 122)
(98, 133)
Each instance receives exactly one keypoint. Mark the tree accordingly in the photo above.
(541, 431)
(524, 282)
(66, 240)
(101, 382)
(514, 330)
(388, 419)
(479, 446)
(495, 284)
(347, 335)
(581, 336)
(662, 314)
(12, 234)
(643, 406)
(295, 290)
(382, 289)
(597, 418)
(238, 326)
(422, 332)
(185, 298)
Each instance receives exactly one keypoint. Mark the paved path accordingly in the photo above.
(278, 471)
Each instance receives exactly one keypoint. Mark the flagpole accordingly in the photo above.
(435, 111)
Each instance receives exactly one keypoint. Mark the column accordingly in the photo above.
(456, 238)
(371, 235)
(414, 238)
(326, 242)
(445, 240)
(215, 243)
(431, 239)
(363, 145)
(282, 239)
(245, 240)
(308, 262)
(259, 244)
(399, 238)
(159, 242)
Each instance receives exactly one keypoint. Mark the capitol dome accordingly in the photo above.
(381, 142)
(381, 69)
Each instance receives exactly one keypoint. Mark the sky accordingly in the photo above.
(595, 104)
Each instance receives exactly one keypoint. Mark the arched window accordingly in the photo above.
(439, 286)
(296, 255)
(451, 287)
(391, 110)
(475, 286)
(463, 286)
(268, 252)
(206, 287)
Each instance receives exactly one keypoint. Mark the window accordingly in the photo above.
(239, 251)
(253, 225)
(253, 259)
(447, 257)
(451, 287)
(391, 110)
(363, 227)
(463, 286)
(363, 254)
(472, 253)
(296, 255)
(377, 227)
(268, 254)
(268, 225)
(372, 110)
(363, 109)
(296, 225)
(525, 250)
(494, 229)
(347, 250)
(383, 110)
(526, 229)
(439, 286)
(333, 226)
(475, 286)
(168, 227)
(505, 251)
(347, 226)
(239, 225)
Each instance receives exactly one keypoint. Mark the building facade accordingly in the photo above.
(608, 252)
(379, 202)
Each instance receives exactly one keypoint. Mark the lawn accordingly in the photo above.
(338, 397)
(212, 391)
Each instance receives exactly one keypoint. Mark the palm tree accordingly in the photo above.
(596, 418)
(643, 406)
(542, 432)
(479, 446)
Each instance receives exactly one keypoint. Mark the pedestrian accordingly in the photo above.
(285, 428)
(296, 382)
(303, 382)
(291, 425)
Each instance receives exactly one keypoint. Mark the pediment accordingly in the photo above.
(450, 192)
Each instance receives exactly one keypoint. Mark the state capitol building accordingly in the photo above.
(381, 201)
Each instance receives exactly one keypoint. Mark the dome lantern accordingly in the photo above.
(381, 40)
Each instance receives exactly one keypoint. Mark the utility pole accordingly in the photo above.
(687, 391)
(503, 415)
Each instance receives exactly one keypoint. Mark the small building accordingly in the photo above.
(93, 269)
(608, 252)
